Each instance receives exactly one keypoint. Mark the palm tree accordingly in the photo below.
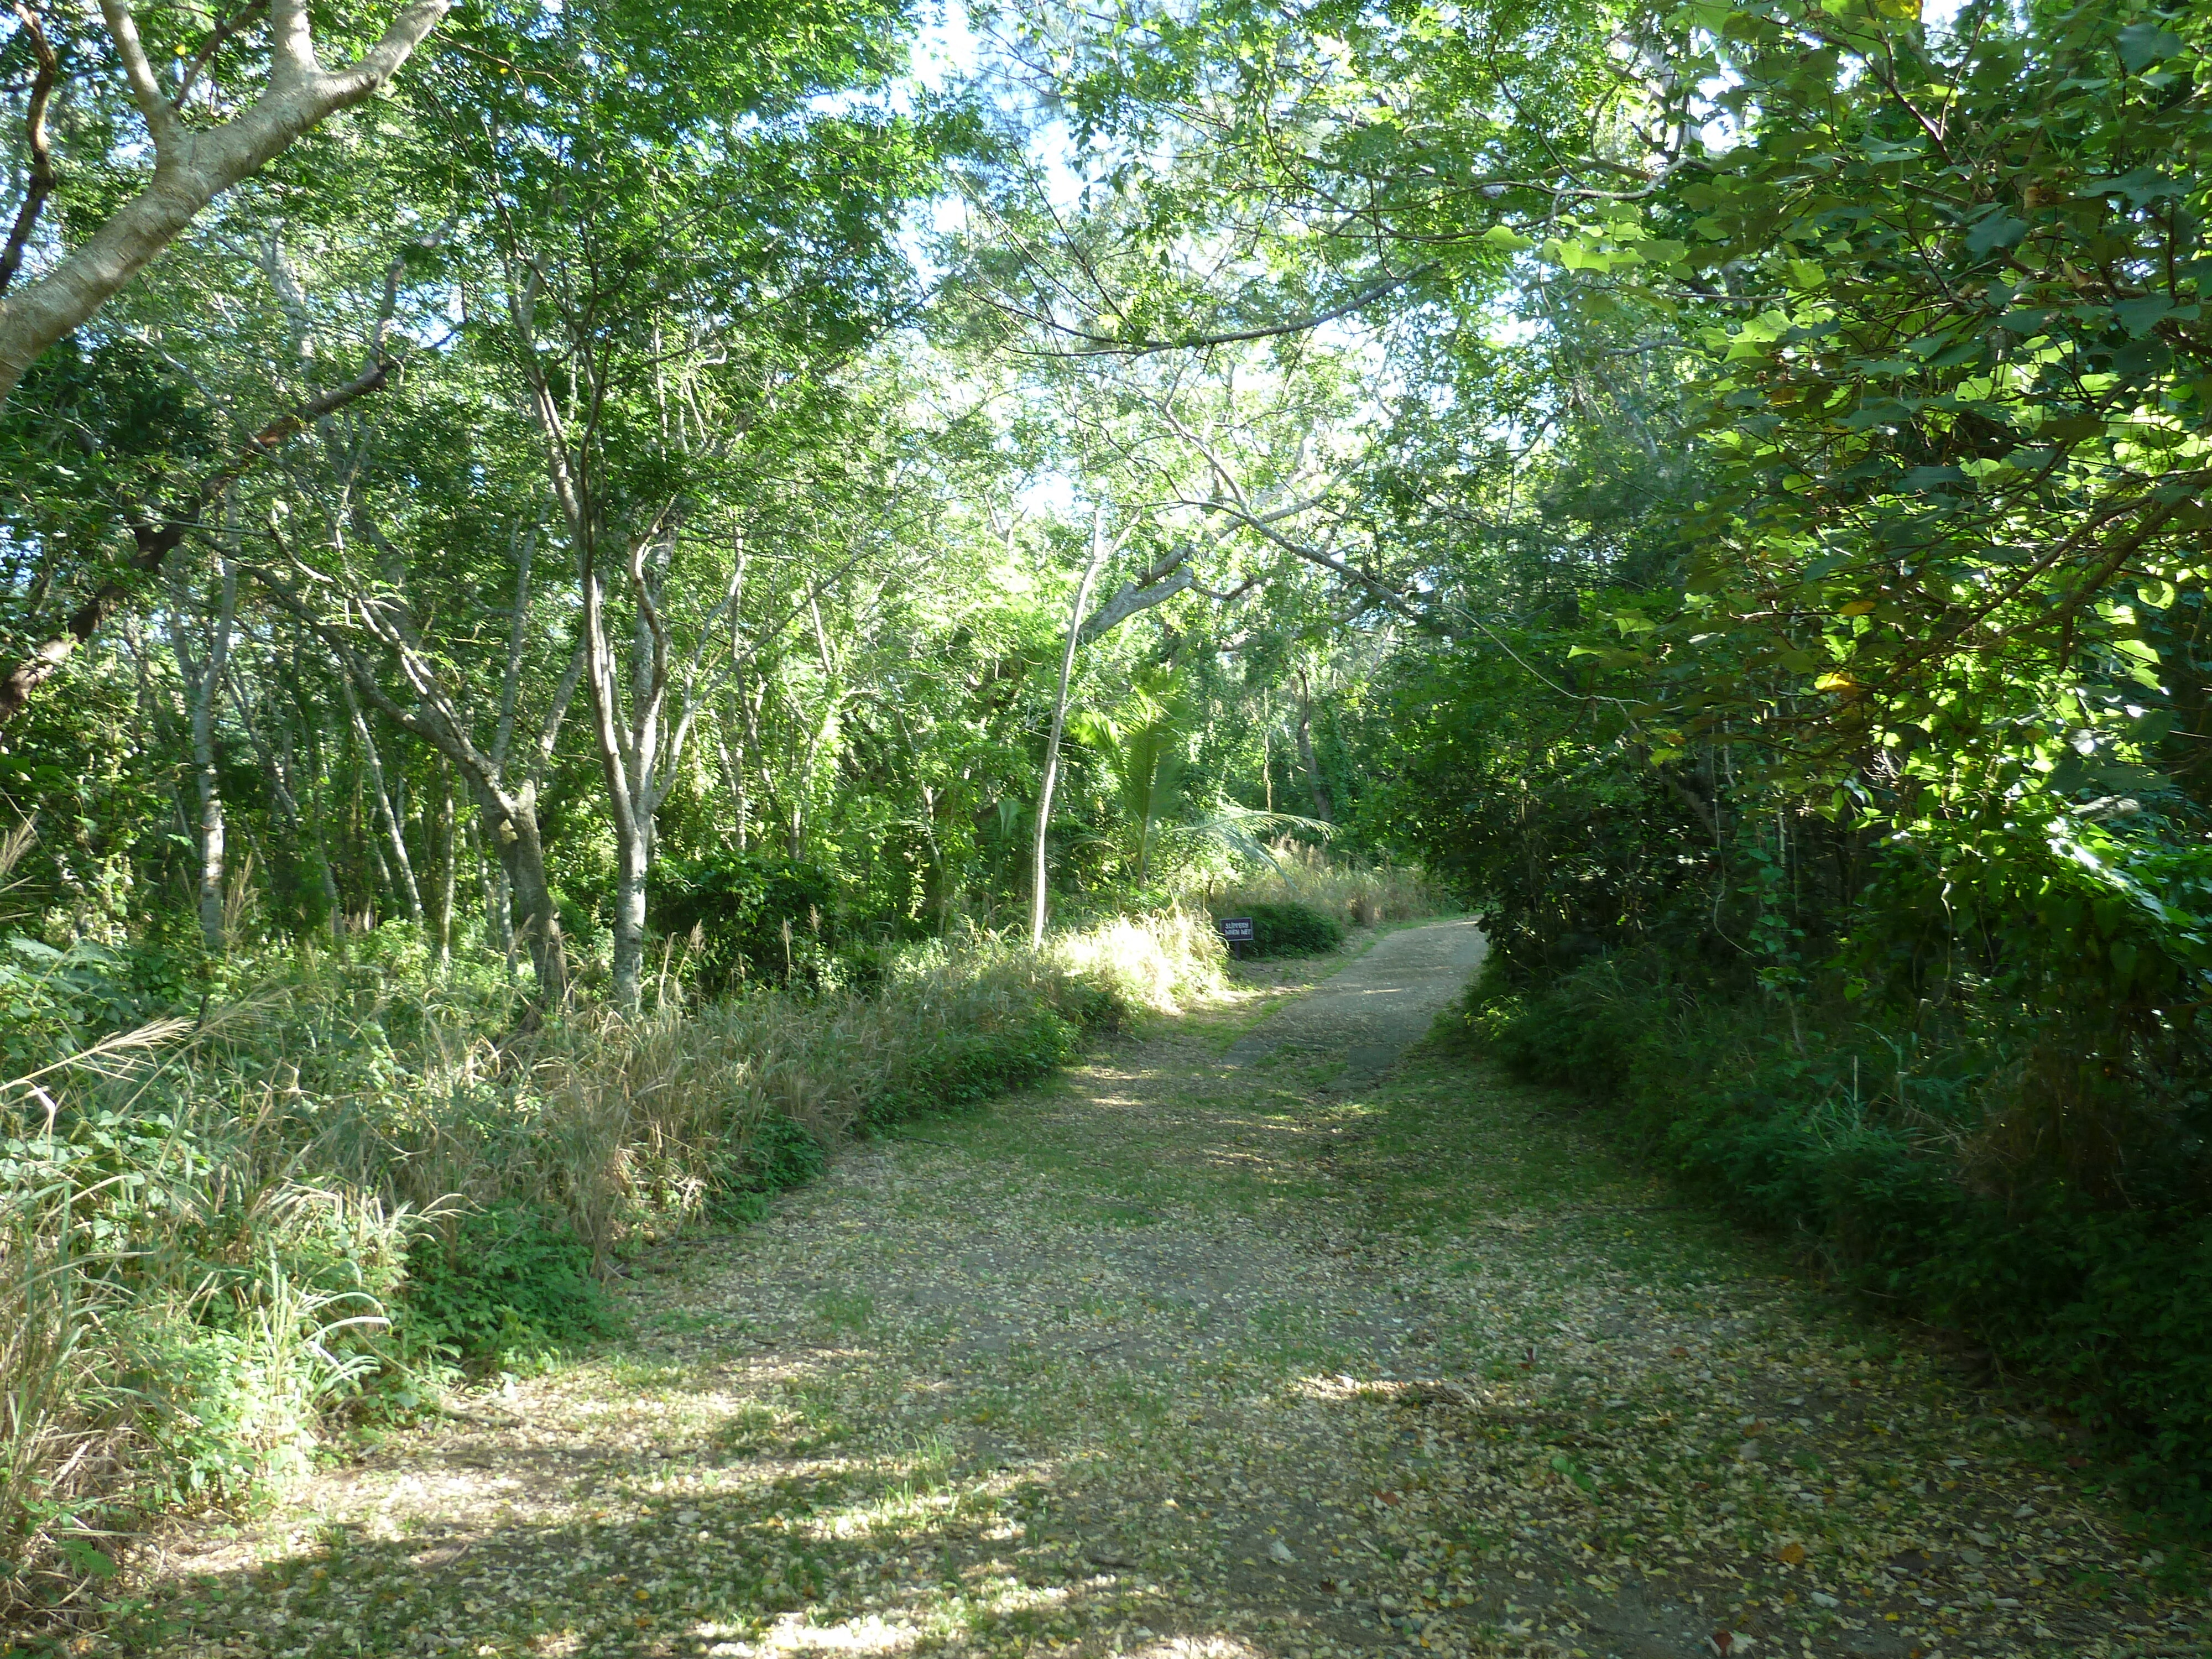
(1149, 763)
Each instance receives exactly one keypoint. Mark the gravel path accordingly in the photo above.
(1372, 1012)
(1221, 1346)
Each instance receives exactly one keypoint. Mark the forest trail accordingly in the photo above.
(1221, 1344)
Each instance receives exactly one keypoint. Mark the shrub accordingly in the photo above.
(1866, 1148)
(1291, 930)
(1356, 895)
(754, 916)
(504, 1287)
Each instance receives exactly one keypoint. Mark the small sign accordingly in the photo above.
(1237, 930)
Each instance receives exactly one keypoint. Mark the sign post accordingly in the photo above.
(1236, 933)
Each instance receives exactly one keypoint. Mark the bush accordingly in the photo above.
(1356, 895)
(503, 1288)
(1868, 1153)
(753, 916)
(762, 1159)
(1289, 929)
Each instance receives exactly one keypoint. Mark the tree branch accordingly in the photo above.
(162, 121)
(153, 541)
(224, 32)
(40, 184)
(1101, 345)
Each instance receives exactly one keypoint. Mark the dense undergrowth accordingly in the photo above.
(1953, 1177)
(352, 1182)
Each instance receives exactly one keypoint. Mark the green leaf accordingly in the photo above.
(2142, 44)
(1997, 230)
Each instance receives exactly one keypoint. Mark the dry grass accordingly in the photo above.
(202, 1237)
(1355, 895)
(1157, 962)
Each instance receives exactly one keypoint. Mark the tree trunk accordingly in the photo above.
(733, 778)
(491, 874)
(316, 805)
(401, 866)
(1039, 872)
(203, 682)
(1319, 790)
(513, 833)
(633, 862)
(447, 849)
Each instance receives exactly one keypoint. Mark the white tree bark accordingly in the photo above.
(193, 166)
(404, 884)
(204, 679)
(1039, 873)
(506, 806)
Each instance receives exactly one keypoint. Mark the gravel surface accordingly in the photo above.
(1372, 1012)
(1219, 1346)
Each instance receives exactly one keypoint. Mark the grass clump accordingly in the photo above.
(1349, 894)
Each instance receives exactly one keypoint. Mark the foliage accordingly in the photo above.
(1854, 1145)
(1288, 928)
(749, 917)
(503, 1285)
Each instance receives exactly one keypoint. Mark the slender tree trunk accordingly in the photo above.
(203, 682)
(633, 863)
(1039, 872)
(499, 916)
(281, 763)
(316, 802)
(402, 868)
(751, 751)
(1267, 756)
(447, 850)
(513, 831)
(733, 780)
(1315, 788)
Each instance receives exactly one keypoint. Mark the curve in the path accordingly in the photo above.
(1378, 1007)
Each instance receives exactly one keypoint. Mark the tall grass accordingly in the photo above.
(1353, 895)
(350, 1183)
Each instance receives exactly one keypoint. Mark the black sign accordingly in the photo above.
(1237, 930)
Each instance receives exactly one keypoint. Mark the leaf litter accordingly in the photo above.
(1179, 1357)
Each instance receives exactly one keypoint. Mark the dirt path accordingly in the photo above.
(1371, 1012)
(1217, 1347)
